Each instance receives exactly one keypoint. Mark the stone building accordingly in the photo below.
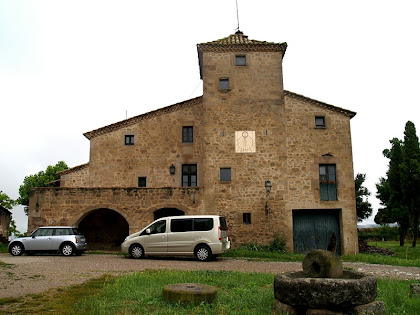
(275, 163)
(5, 216)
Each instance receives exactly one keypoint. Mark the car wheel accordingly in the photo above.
(136, 251)
(203, 253)
(16, 249)
(67, 249)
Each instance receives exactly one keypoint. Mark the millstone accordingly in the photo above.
(189, 293)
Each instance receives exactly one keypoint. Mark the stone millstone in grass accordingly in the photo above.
(189, 293)
(322, 264)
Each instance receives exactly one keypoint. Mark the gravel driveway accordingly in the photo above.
(24, 275)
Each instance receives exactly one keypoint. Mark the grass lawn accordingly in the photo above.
(141, 293)
(405, 256)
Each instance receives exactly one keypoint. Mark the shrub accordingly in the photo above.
(278, 244)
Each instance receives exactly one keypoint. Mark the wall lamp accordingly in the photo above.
(172, 169)
(267, 191)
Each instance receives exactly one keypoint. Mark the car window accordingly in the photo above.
(223, 224)
(44, 232)
(158, 227)
(203, 224)
(62, 232)
(181, 225)
(75, 232)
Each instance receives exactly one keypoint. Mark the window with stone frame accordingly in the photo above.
(319, 122)
(142, 182)
(246, 218)
(224, 84)
(187, 134)
(327, 182)
(189, 175)
(225, 174)
(240, 60)
(129, 140)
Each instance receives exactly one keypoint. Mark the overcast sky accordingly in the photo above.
(68, 67)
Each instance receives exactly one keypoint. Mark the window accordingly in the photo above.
(189, 175)
(181, 225)
(63, 232)
(225, 174)
(203, 224)
(44, 232)
(327, 182)
(129, 140)
(187, 134)
(224, 84)
(188, 225)
(240, 60)
(319, 121)
(246, 218)
(142, 181)
(156, 228)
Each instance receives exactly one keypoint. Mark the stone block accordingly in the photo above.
(373, 308)
(316, 311)
(415, 289)
(322, 264)
(281, 308)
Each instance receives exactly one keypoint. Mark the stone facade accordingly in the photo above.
(253, 128)
(5, 216)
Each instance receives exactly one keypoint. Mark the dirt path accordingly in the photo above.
(24, 275)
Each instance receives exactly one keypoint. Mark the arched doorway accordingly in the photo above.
(167, 212)
(105, 229)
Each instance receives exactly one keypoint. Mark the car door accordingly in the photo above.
(41, 239)
(181, 236)
(155, 238)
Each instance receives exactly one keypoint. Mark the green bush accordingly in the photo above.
(278, 244)
(384, 232)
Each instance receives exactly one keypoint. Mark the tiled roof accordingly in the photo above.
(321, 104)
(136, 119)
(239, 41)
(73, 169)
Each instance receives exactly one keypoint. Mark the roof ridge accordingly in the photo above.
(135, 119)
(73, 169)
(346, 112)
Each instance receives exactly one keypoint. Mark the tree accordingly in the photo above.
(410, 170)
(8, 203)
(42, 179)
(363, 207)
(389, 192)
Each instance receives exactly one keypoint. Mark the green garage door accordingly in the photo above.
(312, 229)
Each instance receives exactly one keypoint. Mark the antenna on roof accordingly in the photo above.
(237, 15)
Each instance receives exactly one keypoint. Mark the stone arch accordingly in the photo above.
(104, 227)
(167, 212)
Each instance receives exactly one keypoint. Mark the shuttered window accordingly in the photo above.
(327, 182)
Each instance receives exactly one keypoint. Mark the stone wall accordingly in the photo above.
(68, 206)
(4, 225)
(307, 147)
(157, 145)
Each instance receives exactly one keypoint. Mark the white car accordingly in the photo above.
(65, 239)
(202, 236)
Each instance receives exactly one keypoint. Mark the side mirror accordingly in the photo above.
(33, 236)
(147, 231)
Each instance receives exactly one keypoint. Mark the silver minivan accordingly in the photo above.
(202, 236)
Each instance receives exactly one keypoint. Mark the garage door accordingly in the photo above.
(312, 229)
